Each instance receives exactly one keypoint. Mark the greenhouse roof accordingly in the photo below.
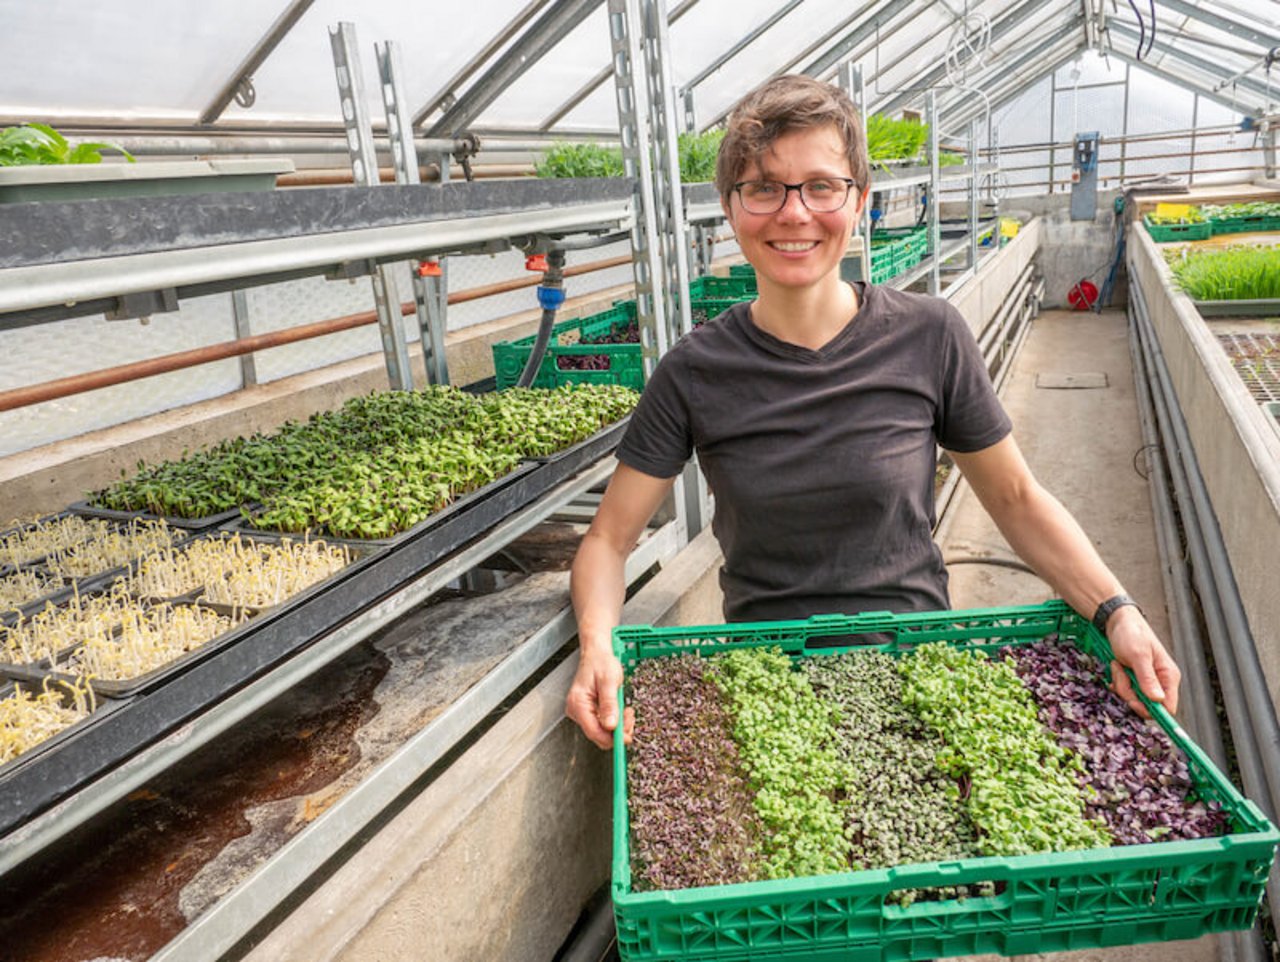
(541, 68)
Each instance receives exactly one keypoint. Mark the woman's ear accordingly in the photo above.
(862, 199)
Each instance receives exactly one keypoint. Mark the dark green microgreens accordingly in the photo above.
(692, 821)
(1235, 273)
(1023, 795)
(900, 808)
(786, 738)
(376, 466)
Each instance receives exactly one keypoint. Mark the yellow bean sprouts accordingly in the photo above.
(35, 541)
(27, 718)
(55, 629)
(115, 547)
(147, 640)
(239, 572)
(19, 588)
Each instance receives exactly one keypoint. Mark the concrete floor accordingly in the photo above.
(1081, 442)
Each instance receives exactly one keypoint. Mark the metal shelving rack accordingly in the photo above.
(133, 257)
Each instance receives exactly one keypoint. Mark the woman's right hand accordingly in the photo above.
(592, 701)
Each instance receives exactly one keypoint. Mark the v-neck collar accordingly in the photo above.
(777, 345)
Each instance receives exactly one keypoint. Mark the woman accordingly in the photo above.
(816, 411)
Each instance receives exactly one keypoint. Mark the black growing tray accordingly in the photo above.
(87, 510)
(271, 639)
(101, 711)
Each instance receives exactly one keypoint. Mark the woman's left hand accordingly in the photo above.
(1136, 647)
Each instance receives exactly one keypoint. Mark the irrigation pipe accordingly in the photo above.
(1256, 757)
(1239, 946)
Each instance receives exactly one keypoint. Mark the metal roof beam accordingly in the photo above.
(1008, 83)
(1242, 31)
(445, 96)
(590, 87)
(1014, 17)
(552, 27)
(257, 56)
(1162, 71)
(866, 29)
(1191, 60)
(738, 47)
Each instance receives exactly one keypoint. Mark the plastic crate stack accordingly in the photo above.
(596, 349)
(895, 250)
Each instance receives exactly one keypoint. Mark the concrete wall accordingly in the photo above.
(1238, 452)
(1071, 251)
(980, 297)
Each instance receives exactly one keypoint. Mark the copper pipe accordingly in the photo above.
(80, 383)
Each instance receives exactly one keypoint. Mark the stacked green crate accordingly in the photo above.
(595, 349)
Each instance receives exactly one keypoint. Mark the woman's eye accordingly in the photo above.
(820, 186)
(763, 189)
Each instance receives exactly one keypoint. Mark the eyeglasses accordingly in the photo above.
(822, 195)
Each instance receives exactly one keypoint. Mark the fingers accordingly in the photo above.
(580, 707)
(1121, 686)
(592, 701)
(628, 725)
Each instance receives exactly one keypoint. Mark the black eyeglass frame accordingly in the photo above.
(849, 183)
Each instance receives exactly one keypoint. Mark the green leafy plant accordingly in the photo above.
(1192, 216)
(581, 160)
(40, 144)
(889, 139)
(1238, 272)
(698, 154)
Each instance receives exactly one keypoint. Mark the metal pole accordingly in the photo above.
(240, 312)
(364, 164)
(427, 300)
(935, 194)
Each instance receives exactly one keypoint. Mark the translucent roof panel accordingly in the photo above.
(297, 82)
(124, 59)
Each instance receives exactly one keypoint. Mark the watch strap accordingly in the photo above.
(1108, 608)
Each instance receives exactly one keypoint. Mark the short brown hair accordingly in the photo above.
(779, 106)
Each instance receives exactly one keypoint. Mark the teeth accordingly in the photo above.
(793, 245)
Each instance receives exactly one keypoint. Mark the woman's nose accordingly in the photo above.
(793, 207)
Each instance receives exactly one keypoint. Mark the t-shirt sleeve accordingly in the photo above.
(659, 439)
(970, 415)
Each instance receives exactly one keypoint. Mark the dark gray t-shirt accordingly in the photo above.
(822, 462)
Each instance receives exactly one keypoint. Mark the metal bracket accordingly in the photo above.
(143, 304)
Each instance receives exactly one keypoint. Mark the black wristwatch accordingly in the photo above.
(1108, 608)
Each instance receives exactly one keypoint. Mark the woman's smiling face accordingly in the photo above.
(795, 247)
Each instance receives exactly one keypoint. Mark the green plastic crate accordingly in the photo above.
(734, 288)
(1044, 903)
(1166, 233)
(1243, 225)
(625, 362)
(742, 270)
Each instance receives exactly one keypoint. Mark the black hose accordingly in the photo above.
(550, 296)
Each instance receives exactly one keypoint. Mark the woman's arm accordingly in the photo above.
(1048, 538)
(598, 586)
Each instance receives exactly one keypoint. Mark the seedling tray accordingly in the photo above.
(592, 448)
(268, 640)
(734, 287)
(1266, 307)
(457, 505)
(1044, 903)
(101, 711)
(1165, 233)
(88, 510)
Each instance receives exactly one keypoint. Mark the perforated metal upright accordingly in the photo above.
(364, 167)
(935, 192)
(648, 128)
(429, 293)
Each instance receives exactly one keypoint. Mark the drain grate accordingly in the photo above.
(1256, 358)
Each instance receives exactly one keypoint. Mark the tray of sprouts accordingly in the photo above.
(240, 571)
(89, 509)
(41, 639)
(35, 718)
(151, 643)
(49, 559)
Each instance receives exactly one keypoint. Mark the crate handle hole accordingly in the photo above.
(927, 902)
